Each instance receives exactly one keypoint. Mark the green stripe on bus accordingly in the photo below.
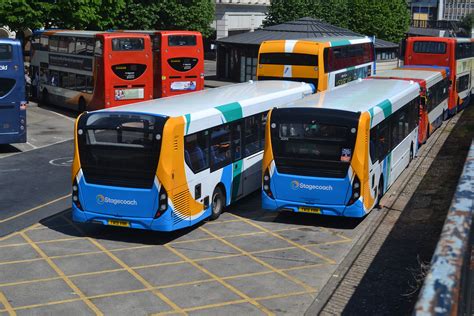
(188, 121)
(386, 106)
(340, 43)
(236, 178)
(231, 111)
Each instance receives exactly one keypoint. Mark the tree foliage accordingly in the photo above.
(385, 19)
(108, 14)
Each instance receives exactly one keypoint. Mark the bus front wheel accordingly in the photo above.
(218, 202)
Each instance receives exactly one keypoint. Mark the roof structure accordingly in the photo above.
(304, 28)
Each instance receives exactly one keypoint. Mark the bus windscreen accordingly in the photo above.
(182, 40)
(294, 59)
(312, 144)
(127, 44)
(5, 52)
(120, 149)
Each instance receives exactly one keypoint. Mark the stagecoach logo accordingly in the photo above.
(295, 185)
(100, 199)
(3, 67)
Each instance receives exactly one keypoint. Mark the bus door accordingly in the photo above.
(12, 94)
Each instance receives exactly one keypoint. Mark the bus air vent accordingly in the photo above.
(181, 206)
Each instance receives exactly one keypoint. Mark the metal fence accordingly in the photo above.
(447, 287)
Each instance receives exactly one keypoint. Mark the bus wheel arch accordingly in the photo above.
(81, 105)
(218, 201)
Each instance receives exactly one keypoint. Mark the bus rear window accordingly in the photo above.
(294, 59)
(429, 47)
(124, 44)
(182, 40)
(341, 57)
(5, 52)
(6, 85)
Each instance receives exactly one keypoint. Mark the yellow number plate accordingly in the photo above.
(118, 223)
(309, 210)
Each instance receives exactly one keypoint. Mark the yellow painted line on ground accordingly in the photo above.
(62, 275)
(33, 209)
(20, 261)
(271, 297)
(6, 304)
(265, 264)
(314, 253)
(220, 280)
(137, 276)
(198, 308)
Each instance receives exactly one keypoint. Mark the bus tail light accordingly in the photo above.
(162, 202)
(355, 191)
(75, 195)
(23, 105)
(266, 184)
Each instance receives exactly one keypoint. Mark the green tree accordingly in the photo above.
(169, 14)
(388, 20)
(281, 11)
(19, 15)
(466, 25)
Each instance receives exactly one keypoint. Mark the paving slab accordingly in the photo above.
(233, 309)
(86, 264)
(77, 308)
(25, 271)
(107, 282)
(172, 274)
(142, 303)
(226, 267)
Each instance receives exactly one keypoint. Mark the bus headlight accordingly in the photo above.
(266, 184)
(75, 195)
(162, 202)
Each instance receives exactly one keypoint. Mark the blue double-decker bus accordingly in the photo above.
(12, 93)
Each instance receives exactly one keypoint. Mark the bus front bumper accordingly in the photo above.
(162, 223)
(355, 210)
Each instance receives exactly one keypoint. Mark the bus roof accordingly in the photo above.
(368, 95)
(10, 41)
(192, 103)
(333, 41)
(60, 32)
(431, 75)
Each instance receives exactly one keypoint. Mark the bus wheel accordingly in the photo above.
(411, 154)
(218, 202)
(44, 97)
(379, 193)
(82, 105)
(427, 131)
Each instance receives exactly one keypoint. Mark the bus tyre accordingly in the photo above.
(379, 193)
(44, 97)
(411, 154)
(218, 202)
(81, 105)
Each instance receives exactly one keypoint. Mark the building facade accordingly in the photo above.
(239, 16)
(455, 10)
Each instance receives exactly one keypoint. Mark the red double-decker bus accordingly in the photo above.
(88, 70)
(178, 62)
(455, 53)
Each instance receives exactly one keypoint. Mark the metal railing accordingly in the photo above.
(446, 290)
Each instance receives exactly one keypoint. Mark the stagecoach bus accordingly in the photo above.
(455, 53)
(89, 70)
(434, 92)
(337, 152)
(325, 62)
(169, 163)
(12, 93)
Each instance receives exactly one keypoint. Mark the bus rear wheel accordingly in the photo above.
(81, 105)
(44, 97)
(379, 193)
(218, 202)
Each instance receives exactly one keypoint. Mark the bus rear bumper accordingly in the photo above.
(13, 138)
(355, 210)
(159, 224)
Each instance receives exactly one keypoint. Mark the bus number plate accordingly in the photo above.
(309, 210)
(118, 223)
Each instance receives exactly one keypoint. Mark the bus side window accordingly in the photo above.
(90, 46)
(394, 129)
(383, 140)
(72, 46)
(251, 135)
(220, 146)
(53, 44)
(81, 46)
(373, 145)
(237, 141)
(196, 151)
(89, 84)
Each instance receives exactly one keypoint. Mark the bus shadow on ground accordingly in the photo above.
(62, 223)
(8, 149)
(391, 283)
(250, 208)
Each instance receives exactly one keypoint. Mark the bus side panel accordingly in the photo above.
(360, 163)
(172, 174)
